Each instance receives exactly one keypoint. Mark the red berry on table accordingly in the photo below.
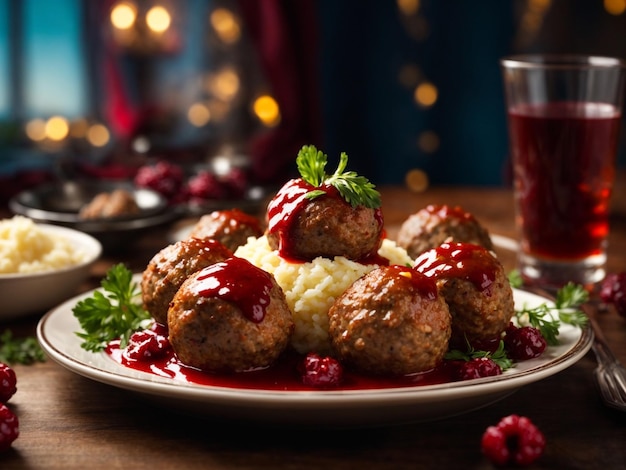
(515, 439)
(8, 383)
(524, 343)
(613, 291)
(321, 371)
(9, 427)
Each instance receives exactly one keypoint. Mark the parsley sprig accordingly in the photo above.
(498, 356)
(354, 189)
(20, 350)
(112, 312)
(566, 309)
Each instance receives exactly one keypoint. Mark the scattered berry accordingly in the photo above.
(237, 182)
(8, 383)
(613, 291)
(205, 185)
(164, 177)
(146, 344)
(475, 369)
(524, 343)
(321, 372)
(9, 427)
(515, 439)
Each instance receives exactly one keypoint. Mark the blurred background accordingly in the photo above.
(410, 89)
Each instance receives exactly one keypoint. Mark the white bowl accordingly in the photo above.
(25, 294)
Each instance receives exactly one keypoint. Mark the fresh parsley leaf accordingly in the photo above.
(20, 350)
(566, 309)
(111, 313)
(498, 356)
(354, 189)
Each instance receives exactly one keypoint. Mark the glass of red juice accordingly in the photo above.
(564, 117)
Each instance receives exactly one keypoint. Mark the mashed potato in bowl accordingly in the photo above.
(27, 248)
(41, 265)
(312, 287)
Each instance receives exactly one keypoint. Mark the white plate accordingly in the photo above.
(56, 333)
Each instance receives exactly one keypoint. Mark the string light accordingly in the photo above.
(267, 110)
(57, 128)
(226, 25)
(98, 135)
(123, 15)
(158, 19)
(198, 114)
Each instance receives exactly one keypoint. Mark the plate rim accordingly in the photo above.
(160, 386)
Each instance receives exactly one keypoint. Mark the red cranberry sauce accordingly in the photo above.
(471, 262)
(444, 212)
(238, 281)
(283, 375)
(423, 284)
(284, 208)
(237, 218)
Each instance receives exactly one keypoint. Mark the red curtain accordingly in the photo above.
(284, 33)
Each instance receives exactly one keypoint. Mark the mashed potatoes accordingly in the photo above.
(312, 287)
(27, 248)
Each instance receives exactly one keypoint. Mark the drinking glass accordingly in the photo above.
(564, 117)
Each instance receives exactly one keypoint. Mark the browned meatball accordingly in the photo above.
(391, 321)
(169, 268)
(230, 227)
(325, 226)
(435, 224)
(231, 316)
(117, 203)
(475, 287)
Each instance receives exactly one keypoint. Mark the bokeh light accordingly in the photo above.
(123, 15)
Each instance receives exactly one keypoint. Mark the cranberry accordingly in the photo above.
(237, 182)
(205, 185)
(524, 343)
(146, 344)
(475, 369)
(321, 371)
(515, 439)
(8, 383)
(164, 177)
(613, 291)
(9, 427)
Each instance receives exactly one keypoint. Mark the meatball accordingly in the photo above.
(474, 285)
(230, 227)
(390, 321)
(117, 203)
(169, 268)
(230, 317)
(325, 226)
(435, 224)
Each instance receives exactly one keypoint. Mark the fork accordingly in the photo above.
(610, 374)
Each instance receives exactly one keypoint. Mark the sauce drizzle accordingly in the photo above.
(238, 281)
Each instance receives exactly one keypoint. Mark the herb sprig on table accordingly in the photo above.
(111, 313)
(20, 350)
(354, 189)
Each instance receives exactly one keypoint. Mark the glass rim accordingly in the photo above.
(561, 61)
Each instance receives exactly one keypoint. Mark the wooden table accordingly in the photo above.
(68, 421)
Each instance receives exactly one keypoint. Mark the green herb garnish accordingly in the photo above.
(566, 309)
(498, 356)
(112, 312)
(20, 350)
(354, 189)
